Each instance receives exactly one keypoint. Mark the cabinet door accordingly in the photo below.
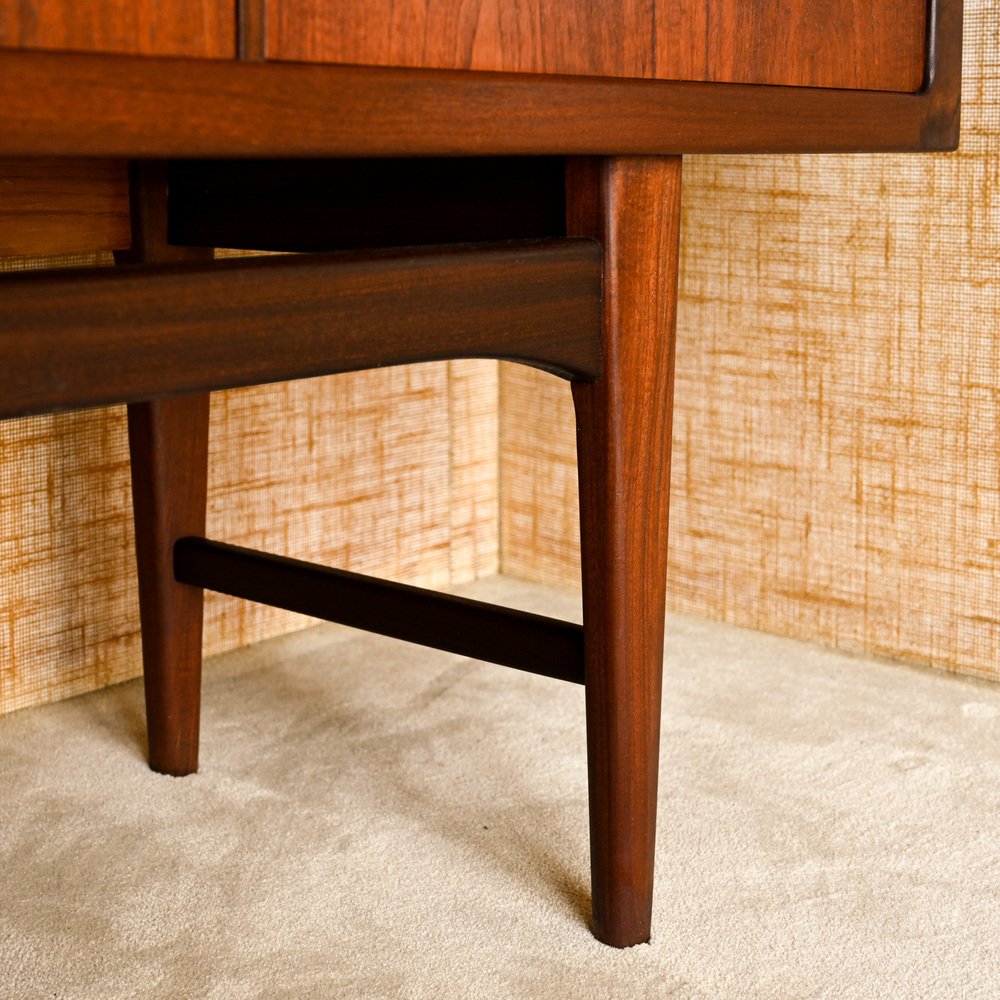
(143, 27)
(858, 44)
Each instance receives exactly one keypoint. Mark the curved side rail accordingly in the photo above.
(73, 339)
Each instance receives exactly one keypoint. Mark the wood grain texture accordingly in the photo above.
(63, 206)
(168, 461)
(472, 629)
(168, 444)
(140, 27)
(623, 442)
(88, 339)
(119, 106)
(839, 43)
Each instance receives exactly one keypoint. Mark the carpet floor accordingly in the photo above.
(376, 820)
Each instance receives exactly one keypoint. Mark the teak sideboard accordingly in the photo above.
(469, 178)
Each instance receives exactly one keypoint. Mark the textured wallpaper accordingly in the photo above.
(837, 432)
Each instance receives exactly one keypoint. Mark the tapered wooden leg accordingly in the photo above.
(168, 444)
(632, 204)
(168, 447)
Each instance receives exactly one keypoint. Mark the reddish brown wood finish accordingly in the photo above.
(142, 27)
(623, 438)
(79, 338)
(857, 44)
(838, 43)
(73, 105)
(168, 447)
(63, 206)
(168, 444)
(473, 629)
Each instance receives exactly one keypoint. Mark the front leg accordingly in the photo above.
(632, 204)
(168, 447)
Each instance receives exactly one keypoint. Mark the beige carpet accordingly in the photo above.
(377, 820)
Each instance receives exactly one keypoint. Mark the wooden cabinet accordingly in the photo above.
(810, 43)
(377, 78)
(611, 92)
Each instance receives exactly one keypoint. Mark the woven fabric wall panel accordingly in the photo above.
(355, 471)
(837, 434)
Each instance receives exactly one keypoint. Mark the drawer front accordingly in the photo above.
(820, 43)
(140, 27)
(63, 206)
